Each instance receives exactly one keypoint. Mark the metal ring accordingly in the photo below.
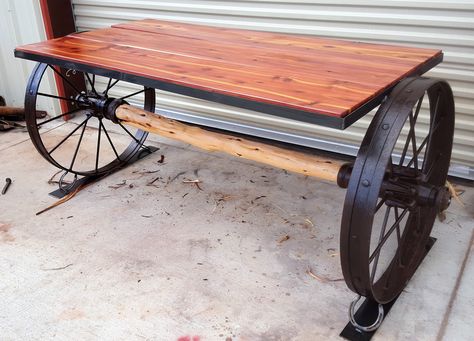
(369, 328)
(66, 187)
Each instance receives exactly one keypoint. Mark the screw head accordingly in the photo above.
(385, 126)
(365, 183)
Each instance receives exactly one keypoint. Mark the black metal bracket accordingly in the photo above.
(61, 192)
(369, 310)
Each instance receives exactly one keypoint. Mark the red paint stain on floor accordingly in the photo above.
(189, 338)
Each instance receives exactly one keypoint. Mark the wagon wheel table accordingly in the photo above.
(395, 187)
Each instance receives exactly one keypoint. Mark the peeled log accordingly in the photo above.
(293, 161)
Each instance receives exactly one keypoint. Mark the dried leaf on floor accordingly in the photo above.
(70, 195)
(225, 197)
(455, 192)
(175, 177)
(119, 185)
(322, 279)
(60, 268)
(152, 182)
(146, 172)
(284, 239)
(195, 181)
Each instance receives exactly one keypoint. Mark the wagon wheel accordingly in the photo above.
(88, 145)
(396, 189)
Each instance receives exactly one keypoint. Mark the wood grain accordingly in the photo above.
(315, 75)
(290, 160)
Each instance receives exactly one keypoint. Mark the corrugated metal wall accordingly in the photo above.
(448, 25)
(14, 72)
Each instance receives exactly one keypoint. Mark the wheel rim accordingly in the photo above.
(87, 109)
(391, 202)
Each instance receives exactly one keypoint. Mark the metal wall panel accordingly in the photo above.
(424, 23)
(14, 72)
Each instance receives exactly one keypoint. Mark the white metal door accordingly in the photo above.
(447, 25)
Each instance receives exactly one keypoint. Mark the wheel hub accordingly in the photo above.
(96, 104)
(402, 194)
(403, 188)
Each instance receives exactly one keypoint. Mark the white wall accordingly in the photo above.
(20, 23)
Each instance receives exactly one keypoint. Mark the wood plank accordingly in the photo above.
(258, 58)
(240, 36)
(314, 75)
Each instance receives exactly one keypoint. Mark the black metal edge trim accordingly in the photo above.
(271, 109)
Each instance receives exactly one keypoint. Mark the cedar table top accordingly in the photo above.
(281, 74)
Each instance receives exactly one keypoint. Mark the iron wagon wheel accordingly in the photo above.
(396, 188)
(105, 150)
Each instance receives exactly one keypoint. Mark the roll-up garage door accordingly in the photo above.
(447, 25)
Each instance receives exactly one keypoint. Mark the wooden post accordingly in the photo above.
(58, 20)
(293, 161)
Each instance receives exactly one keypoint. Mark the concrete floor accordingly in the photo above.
(173, 262)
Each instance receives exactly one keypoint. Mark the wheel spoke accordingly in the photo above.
(433, 128)
(427, 175)
(110, 85)
(389, 232)
(397, 216)
(64, 78)
(418, 107)
(411, 133)
(91, 82)
(57, 117)
(418, 151)
(401, 237)
(129, 133)
(379, 205)
(110, 140)
(78, 145)
(68, 136)
(405, 149)
(413, 142)
(133, 94)
(382, 232)
(98, 147)
(408, 140)
(425, 140)
(57, 97)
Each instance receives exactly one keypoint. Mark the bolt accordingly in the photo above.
(385, 126)
(365, 183)
(409, 90)
(7, 184)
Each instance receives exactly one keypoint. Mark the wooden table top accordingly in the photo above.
(276, 73)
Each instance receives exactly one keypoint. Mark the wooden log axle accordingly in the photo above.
(293, 161)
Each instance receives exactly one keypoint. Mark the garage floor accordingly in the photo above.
(170, 261)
